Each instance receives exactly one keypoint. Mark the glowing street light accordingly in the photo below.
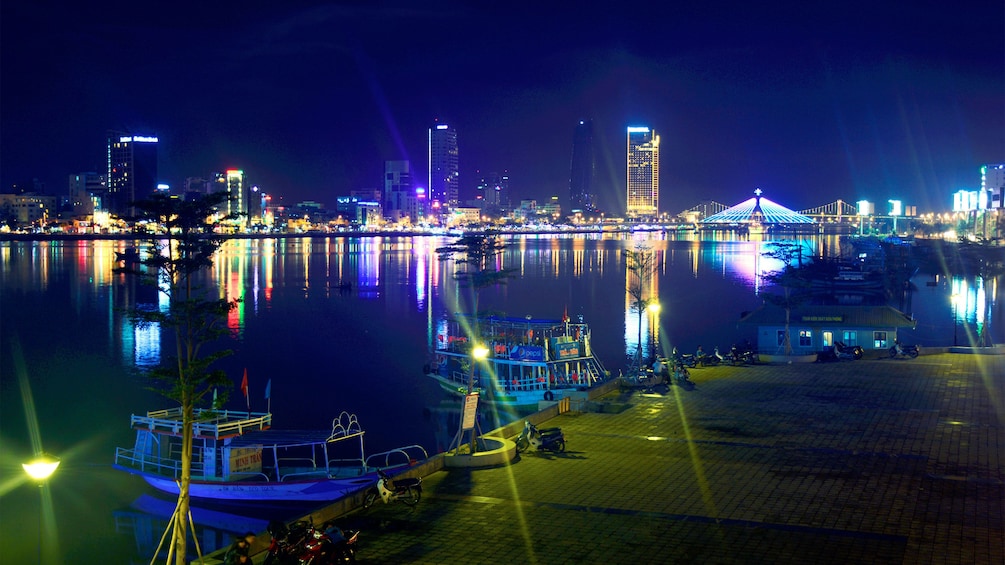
(41, 467)
(654, 309)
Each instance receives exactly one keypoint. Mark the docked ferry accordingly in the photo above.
(526, 360)
(237, 456)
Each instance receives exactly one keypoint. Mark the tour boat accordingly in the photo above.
(528, 359)
(238, 456)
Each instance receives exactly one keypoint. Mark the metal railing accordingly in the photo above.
(407, 454)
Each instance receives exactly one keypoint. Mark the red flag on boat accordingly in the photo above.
(244, 384)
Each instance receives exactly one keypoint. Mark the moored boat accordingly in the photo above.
(528, 359)
(238, 456)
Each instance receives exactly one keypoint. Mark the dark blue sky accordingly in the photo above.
(810, 102)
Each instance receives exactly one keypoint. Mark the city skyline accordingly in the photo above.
(867, 101)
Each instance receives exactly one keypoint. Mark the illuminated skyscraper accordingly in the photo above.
(581, 195)
(132, 171)
(237, 188)
(643, 172)
(444, 174)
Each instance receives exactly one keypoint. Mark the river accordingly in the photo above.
(72, 363)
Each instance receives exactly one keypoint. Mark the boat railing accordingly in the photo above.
(218, 423)
(289, 460)
(249, 475)
(407, 455)
(153, 464)
(303, 475)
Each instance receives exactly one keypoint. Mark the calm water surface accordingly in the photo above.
(71, 361)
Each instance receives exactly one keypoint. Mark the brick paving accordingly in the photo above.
(871, 461)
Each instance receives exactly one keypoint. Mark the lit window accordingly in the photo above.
(805, 338)
(879, 340)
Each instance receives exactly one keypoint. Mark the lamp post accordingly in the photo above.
(40, 469)
(654, 309)
(470, 409)
(955, 299)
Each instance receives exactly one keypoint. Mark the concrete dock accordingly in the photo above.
(871, 461)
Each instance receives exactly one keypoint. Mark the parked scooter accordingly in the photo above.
(903, 351)
(543, 439)
(329, 545)
(848, 351)
(287, 541)
(407, 490)
(710, 360)
(685, 359)
(301, 543)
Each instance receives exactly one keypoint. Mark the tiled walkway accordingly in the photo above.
(872, 461)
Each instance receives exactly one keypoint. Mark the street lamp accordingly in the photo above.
(40, 469)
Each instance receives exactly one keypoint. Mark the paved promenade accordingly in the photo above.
(872, 461)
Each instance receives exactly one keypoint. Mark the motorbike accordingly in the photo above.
(902, 351)
(286, 542)
(685, 359)
(407, 490)
(543, 439)
(681, 376)
(710, 360)
(301, 543)
(848, 351)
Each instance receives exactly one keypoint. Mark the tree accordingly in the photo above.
(476, 254)
(792, 282)
(171, 262)
(640, 263)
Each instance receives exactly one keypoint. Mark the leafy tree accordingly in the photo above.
(790, 280)
(640, 263)
(476, 259)
(171, 262)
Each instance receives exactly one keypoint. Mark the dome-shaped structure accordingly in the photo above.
(756, 211)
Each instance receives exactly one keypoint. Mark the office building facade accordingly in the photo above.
(643, 155)
(132, 171)
(398, 194)
(444, 172)
(581, 177)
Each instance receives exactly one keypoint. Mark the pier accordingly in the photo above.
(870, 461)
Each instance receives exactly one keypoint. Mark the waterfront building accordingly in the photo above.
(444, 173)
(581, 175)
(398, 194)
(237, 202)
(812, 328)
(643, 173)
(993, 184)
(86, 192)
(132, 170)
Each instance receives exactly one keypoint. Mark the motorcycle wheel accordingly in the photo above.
(913, 354)
(371, 497)
(411, 498)
(560, 445)
(857, 353)
(344, 555)
(522, 444)
(893, 352)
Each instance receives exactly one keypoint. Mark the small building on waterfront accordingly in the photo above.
(813, 328)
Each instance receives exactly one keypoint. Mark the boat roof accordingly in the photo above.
(515, 321)
(288, 438)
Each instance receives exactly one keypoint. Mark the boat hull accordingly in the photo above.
(319, 490)
(519, 398)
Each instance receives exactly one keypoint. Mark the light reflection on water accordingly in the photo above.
(327, 349)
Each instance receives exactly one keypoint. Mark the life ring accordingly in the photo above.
(549, 396)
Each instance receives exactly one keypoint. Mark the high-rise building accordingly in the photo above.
(493, 190)
(993, 185)
(643, 172)
(86, 192)
(237, 188)
(581, 196)
(444, 174)
(398, 193)
(132, 170)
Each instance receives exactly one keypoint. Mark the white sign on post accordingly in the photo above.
(470, 406)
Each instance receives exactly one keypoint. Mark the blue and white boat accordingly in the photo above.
(237, 456)
(528, 359)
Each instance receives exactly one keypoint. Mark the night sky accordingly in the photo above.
(809, 101)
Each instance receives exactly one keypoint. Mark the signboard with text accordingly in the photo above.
(470, 407)
(528, 353)
(567, 350)
(246, 459)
